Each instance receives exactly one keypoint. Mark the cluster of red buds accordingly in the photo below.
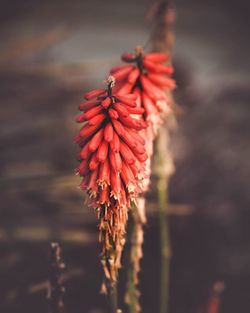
(145, 76)
(150, 80)
(112, 157)
(116, 140)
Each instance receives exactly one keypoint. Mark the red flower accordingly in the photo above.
(149, 79)
(112, 156)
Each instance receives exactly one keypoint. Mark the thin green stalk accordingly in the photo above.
(112, 297)
(132, 295)
(135, 241)
(162, 39)
(164, 244)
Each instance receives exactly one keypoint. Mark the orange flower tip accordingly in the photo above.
(102, 183)
(92, 193)
(116, 195)
(128, 57)
(131, 188)
(94, 93)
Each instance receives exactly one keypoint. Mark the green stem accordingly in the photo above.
(164, 245)
(135, 241)
(113, 297)
(163, 171)
(131, 294)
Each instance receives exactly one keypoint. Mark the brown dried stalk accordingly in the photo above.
(56, 288)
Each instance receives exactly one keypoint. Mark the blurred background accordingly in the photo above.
(54, 51)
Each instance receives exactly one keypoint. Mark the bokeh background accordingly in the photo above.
(51, 52)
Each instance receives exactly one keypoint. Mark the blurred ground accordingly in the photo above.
(53, 52)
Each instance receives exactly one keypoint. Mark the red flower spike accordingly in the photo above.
(111, 152)
(148, 80)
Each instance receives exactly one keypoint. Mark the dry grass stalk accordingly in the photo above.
(56, 288)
